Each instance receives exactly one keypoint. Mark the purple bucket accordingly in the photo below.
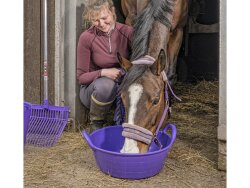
(26, 119)
(107, 142)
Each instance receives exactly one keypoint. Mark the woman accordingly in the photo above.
(98, 70)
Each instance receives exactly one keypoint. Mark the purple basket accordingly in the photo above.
(107, 142)
(26, 119)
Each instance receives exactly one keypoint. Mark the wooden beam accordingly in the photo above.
(32, 51)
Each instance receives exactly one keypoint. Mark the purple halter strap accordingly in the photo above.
(145, 60)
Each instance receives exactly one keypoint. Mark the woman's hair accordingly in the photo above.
(94, 7)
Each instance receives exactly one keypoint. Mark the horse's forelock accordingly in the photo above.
(132, 75)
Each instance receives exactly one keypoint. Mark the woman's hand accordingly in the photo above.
(112, 73)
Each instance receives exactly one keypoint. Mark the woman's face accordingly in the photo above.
(104, 21)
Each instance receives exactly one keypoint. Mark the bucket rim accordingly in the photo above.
(93, 147)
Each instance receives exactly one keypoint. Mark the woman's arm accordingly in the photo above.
(84, 74)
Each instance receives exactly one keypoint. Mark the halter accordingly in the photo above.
(139, 133)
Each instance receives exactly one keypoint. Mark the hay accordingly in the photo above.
(192, 161)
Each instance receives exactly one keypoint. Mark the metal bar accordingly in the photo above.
(45, 52)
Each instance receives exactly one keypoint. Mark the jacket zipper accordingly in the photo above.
(110, 47)
(109, 35)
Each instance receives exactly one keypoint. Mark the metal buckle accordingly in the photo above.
(157, 142)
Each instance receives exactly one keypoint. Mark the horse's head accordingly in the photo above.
(142, 93)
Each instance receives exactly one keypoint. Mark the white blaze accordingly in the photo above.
(135, 92)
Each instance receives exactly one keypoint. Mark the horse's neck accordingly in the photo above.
(141, 5)
(158, 38)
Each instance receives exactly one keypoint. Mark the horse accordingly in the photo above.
(144, 89)
(133, 8)
(143, 95)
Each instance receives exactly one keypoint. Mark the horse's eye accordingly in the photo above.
(155, 101)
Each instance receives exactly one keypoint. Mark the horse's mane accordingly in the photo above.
(156, 10)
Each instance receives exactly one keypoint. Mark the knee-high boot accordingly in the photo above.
(98, 112)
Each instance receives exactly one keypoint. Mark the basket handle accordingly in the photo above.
(87, 138)
(173, 135)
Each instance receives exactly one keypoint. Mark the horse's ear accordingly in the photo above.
(158, 66)
(123, 62)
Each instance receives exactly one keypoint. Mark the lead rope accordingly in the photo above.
(166, 110)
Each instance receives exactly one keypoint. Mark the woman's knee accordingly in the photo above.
(104, 90)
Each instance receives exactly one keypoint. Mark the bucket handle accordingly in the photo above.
(173, 135)
(87, 138)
